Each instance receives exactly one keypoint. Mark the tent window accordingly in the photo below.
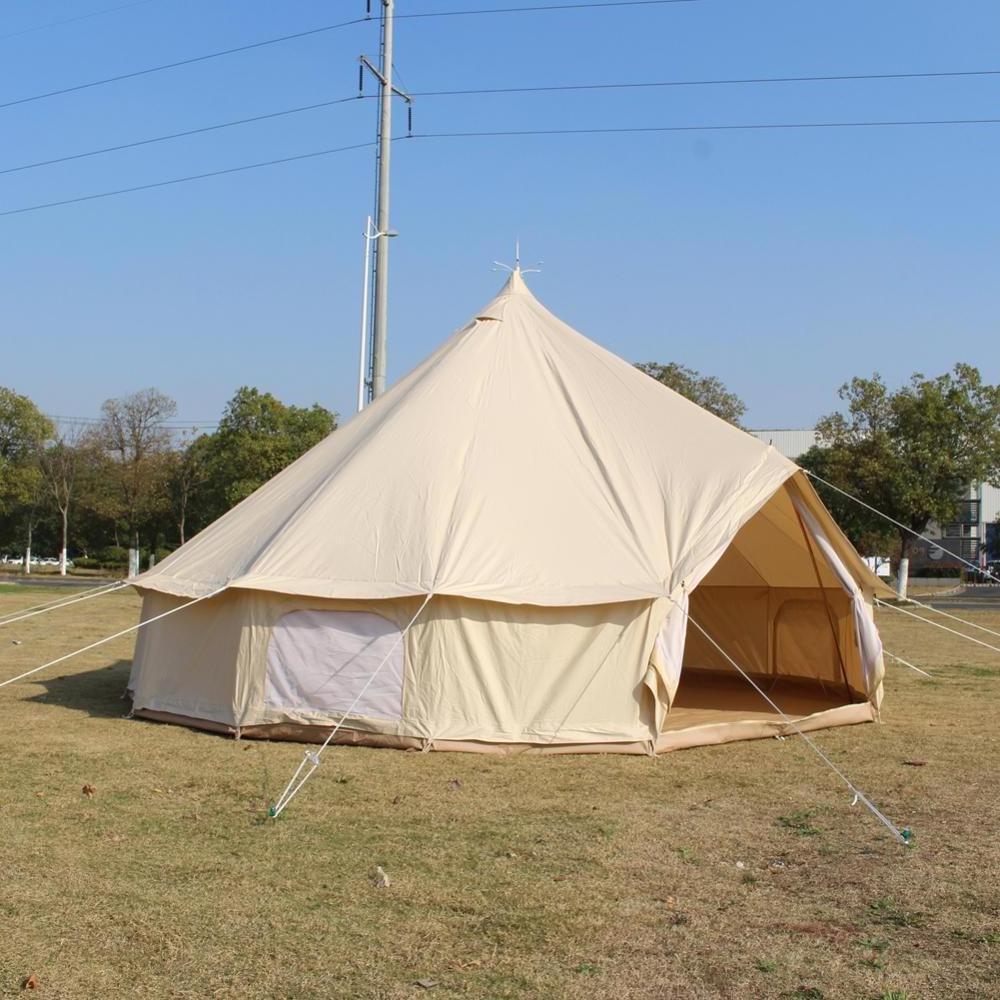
(318, 662)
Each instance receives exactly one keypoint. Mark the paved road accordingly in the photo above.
(56, 582)
(969, 599)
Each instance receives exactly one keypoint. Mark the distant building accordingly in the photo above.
(975, 536)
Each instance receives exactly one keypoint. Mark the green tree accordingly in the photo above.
(257, 437)
(707, 391)
(23, 430)
(914, 452)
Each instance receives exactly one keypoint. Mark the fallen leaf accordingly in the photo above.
(915, 762)
(39, 795)
(396, 799)
(454, 784)
(382, 880)
(425, 984)
(31, 983)
(89, 790)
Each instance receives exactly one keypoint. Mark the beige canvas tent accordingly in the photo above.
(587, 536)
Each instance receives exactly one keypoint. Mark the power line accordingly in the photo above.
(182, 62)
(182, 180)
(331, 27)
(702, 128)
(707, 83)
(580, 87)
(177, 135)
(774, 126)
(542, 8)
(72, 20)
(172, 425)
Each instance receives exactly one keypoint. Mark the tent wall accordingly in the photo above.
(471, 673)
(472, 670)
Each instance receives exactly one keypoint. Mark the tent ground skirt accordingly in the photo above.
(709, 709)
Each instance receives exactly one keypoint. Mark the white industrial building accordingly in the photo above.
(975, 536)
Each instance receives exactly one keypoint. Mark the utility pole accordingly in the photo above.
(381, 328)
(382, 233)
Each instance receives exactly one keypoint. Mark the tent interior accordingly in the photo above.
(777, 605)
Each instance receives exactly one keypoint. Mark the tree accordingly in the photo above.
(707, 391)
(257, 437)
(188, 472)
(23, 428)
(132, 435)
(912, 453)
(59, 461)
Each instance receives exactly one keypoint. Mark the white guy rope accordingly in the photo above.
(955, 618)
(117, 635)
(62, 602)
(859, 796)
(920, 618)
(906, 663)
(899, 524)
(312, 757)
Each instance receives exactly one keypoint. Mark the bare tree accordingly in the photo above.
(59, 460)
(132, 433)
(188, 470)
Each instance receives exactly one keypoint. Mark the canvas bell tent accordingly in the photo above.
(526, 544)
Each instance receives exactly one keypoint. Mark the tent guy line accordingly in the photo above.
(62, 602)
(954, 618)
(902, 836)
(906, 663)
(920, 618)
(117, 635)
(313, 757)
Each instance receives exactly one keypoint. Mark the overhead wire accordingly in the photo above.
(320, 29)
(757, 126)
(652, 129)
(486, 91)
(712, 82)
(537, 8)
(178, 135)
(189, 177)
(183, 62)
(78, 17)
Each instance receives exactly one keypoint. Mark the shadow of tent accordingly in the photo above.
(96, 692)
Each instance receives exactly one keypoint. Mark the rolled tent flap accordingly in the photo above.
(869, 642)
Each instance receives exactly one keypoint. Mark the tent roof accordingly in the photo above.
(520, 462)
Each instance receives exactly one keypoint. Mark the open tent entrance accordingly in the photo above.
(781, 603)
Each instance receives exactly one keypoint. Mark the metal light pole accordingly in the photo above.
(363, 355)
(371, 233)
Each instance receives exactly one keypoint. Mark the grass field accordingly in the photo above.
(732, 871)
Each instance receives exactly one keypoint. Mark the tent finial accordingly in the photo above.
(517, 269)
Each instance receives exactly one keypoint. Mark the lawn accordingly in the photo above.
(732, 871)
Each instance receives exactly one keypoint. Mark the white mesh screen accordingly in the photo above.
(319, 661)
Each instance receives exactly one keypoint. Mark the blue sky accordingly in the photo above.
(782, 261)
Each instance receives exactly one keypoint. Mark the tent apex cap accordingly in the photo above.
(515, 284)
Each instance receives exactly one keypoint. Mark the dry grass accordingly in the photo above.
(731, 871)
